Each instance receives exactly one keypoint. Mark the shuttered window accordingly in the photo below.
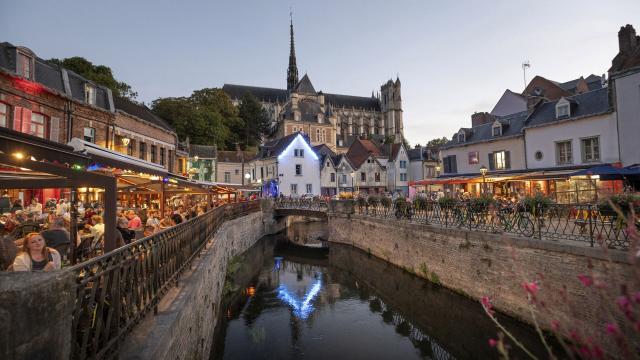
(32, 123)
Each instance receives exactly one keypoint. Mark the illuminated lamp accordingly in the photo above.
(32, 158)
(77, 167)
(28, 86)
(165, 180)
(195, 158)
(126, 141)
(18, 155)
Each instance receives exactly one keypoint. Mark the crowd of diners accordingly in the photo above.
(36, 237)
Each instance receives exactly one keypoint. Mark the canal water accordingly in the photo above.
(295, 296)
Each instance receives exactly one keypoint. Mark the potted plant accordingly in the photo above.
(385, 201)
(620, 205)
(402, 207)
(420, 203)
(481, 203)
(447, 202)
(537, 205)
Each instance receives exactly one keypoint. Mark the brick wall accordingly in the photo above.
(480, 264)
(141, 131)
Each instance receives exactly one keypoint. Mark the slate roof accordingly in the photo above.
(591, 103)
(235, 156)
(273, 148)
(51, 76)
(414, 154)
(323, 149)
(594, 82)
(141, 111)
(304, 86)
(512, 126)
(203, 151)
(261, 93)
(348, 101)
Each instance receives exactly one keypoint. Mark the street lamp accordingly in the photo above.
(195, 158)
(483, 171)
(437, 170)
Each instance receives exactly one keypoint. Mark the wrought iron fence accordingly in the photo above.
(576, 223)
(115, 291)
(315, 204)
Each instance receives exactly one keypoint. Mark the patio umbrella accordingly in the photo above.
(606, 172)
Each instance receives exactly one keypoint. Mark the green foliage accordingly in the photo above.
(437, 142)
(481, 203)
(362, 201)
(99, 74)
(424, 269)
(434, 278)
(536, 203)
(401, 203)
(420, 203)
(447, 201)
(255, 120)
(385, 201)
(620, 203)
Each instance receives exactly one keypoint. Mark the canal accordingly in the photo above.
(296, 296)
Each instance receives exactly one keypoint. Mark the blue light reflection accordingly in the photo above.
(301, 309)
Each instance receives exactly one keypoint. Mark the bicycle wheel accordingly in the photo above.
(525, 225)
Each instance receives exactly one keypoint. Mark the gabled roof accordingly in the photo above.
(273, 148)
(360, 151)
(594, 82)
(141, 111)
(304, 86)
(348, 101)
(484, 133)
(203, 151)
(323, 149)
(591, 103)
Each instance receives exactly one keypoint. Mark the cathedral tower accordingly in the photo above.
(292, 71)
(391, 101)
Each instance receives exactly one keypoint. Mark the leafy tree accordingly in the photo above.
(255, 119)
(98, 73)
(437, 142)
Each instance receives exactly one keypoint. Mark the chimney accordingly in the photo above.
(480, 118)
(532, 103)
(627, 39)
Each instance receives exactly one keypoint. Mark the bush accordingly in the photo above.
(345, 196)
(385, 201)
(420, 203)
(536, 203)
(362, 202)
(481, 203)
(620, 204)
(401, 204)
(447, 201)
(373, 200)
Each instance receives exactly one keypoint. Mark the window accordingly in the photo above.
(562, 111)
(227, 177)
(170, 154)
(298, 170)
(450, 165)
(162, 158)
(153, 154)
(4, 115)
(25, 66)
(496, 130)
(343, 179)
(403, 164)
(31, 123)
(377, 177)
(318, 135)
(363, 177)
(461, 137)
(333, 177)
(474, 157)
(324, 136)
(295, 129)
(294, 189)
(564, 153)
(142, 153)
(590, 149)
(89, 134)
(499, 160)
(132, 145)
(309, 188)
(253, 174)
(298, 152)
(538, 155)
(327, 164)
(237, 172)
(89, 94)
(261, 172)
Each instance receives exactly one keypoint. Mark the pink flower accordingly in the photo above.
(612, 329)
(486, 304)
(531, 287)
(625, 305)
(597, 352)
(636, 297)
(586, 280)
(493, 342)
(555, 325)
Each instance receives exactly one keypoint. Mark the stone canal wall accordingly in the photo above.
(184, 325)
(478, 264)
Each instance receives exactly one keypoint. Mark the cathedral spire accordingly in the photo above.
(292, 71)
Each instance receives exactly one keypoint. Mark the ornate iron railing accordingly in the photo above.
(574, 223)
(314, 204)
(116, 290)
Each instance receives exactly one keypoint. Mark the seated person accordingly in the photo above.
(26, 227)
(97, 228)
(36, 256)
(8, 251)
(57, 236)
(149, 230)
(134, 221)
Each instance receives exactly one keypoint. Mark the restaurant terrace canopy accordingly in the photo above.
(29, 162)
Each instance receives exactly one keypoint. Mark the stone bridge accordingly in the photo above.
(300, 207)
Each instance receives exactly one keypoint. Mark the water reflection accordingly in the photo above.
(336, 302)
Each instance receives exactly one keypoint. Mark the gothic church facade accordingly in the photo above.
(331, 119)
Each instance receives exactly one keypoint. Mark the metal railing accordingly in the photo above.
(574, 223)
(116, 290)
(314, 204)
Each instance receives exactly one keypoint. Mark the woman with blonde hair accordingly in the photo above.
(36, 256)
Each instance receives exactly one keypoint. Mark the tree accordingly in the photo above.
(100, 74)
(255, 120)
(436, 143)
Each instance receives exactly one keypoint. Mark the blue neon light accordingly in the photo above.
(301, 309)
(277, 264)
(307, 147)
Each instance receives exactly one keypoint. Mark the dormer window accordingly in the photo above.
(496, 130)
(563, 109)
(25, 66)
(89, 94)
(461, 137)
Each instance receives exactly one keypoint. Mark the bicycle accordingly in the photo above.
(510, 218)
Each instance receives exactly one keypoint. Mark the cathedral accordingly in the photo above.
(331, 119)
